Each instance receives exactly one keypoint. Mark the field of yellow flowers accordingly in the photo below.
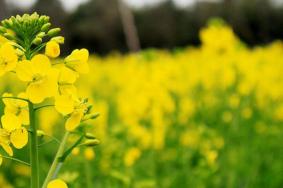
(207, 116)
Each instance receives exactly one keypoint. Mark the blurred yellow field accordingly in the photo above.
(207, 116)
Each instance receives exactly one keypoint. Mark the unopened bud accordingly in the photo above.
(37, 41)
(91, 116)
(90, 136)
(53, 32)
(41, 34)
(45, 27)
(91, 143)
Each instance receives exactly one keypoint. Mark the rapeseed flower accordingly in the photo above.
(17, 107)
(8, 58)
(12, 133)
(74, 108)
(41, 78)
(77, 61)
(57, 183)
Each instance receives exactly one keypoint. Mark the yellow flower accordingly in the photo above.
(17, 107)
(8, 58)
(42, 78)
(12, 132)
(77, 61)
(52, 49)
(131, 156)
(57, 183)
(76, 151)
(89, 154)
(74, 108)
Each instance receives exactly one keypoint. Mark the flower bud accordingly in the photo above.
(52, 49)
(91, 116)
(37, 41)
(53, 32)
(45, 27)
(91, 143)
(41, 35)
(89, 136)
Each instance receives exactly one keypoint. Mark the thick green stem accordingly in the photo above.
(56, 160)
(33, 149)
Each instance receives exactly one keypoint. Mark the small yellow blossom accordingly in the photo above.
(42, 78)
(131, 156)
(57, 183)
(12, 132)
(17, 107)
(52, 49)
(8, 58)
(89, 154)
(76, 151)
(74, 108)
(77, 61)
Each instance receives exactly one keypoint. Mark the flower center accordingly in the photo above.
(38, 78)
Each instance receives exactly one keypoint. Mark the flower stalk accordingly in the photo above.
(33, 148)
(56, 160)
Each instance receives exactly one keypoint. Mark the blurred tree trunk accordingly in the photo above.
(3, 10)
(228, 10)
(129, 27)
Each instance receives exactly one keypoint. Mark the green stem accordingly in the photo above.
(33, 149)
(88, 174)
(14, 159)
(56, 161)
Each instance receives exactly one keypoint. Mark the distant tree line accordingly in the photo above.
(97, 24)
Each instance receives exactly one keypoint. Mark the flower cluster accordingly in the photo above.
(28, 49)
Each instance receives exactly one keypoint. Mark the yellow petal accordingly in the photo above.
(9, 56)
(10, 122)
(36, 93)
(78, 61)
(64, 104)
(24, 71)
(68, 89)
(45, 87)
(40, 64)
(24, 116)
(57, 183)
(67, 76)
(8, 149)
(74, 121)
(19, 138)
